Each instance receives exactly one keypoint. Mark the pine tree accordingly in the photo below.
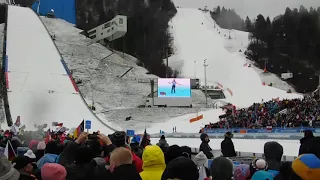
(248, 24)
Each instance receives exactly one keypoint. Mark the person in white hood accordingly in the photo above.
(201, 162)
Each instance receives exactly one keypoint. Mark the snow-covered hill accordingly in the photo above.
(98, 68)
(196, 39)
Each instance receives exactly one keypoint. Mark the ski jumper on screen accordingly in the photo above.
(173, 88)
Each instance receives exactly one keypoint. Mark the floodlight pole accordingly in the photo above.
(205, 81)
(195, 70)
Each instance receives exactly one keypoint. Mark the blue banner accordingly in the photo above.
(263, 130)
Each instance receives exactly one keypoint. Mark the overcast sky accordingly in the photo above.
(250, 8)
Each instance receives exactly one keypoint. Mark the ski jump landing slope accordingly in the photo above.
(196, 39)
(40, 87)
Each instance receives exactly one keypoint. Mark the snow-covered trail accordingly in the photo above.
(40, 87)
(196, 39)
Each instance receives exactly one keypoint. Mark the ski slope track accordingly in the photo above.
(40, 87)
(196, 39)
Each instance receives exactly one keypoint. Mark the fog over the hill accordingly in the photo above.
(250, 8)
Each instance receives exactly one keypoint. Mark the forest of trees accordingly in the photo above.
(290, 43)
(147, 37)
(227, 18)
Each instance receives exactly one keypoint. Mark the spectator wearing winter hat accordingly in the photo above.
(186, 151)
(53, 171)
(51, 154)
(221, 168)
(257, 165)
(204, 146)
(40, 150)
(7, 172)
(24, 165)
(173, 152)
(163, 144)
(262, 175)
(153, 163)
(307, 167)
(181, 168)
(273, 152)
(118, 138)
(135, 146)
(33, 145)
(201, 162)
(241, 172)
(227, 147)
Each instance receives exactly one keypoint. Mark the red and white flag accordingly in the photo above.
(9, 152)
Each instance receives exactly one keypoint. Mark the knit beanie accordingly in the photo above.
(257, 165)
(307, 167)
(221, 168)
(53, 171)
(41, 146)
(119, 138)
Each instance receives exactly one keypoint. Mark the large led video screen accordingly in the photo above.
(174, 87)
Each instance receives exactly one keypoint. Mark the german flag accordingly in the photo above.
(78, 130)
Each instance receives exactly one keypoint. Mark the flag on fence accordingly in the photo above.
(9, 152)
(78, 130)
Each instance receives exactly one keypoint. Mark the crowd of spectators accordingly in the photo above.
(276, 113)
(115, 158)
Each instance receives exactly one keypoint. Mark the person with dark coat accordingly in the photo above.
(24, 165)
(227, 147)
(173, 152)
(204, 146)
(77, 159)
(311, 146)
(181, 168)
(163, 144)
(308, 134)
(273, 152)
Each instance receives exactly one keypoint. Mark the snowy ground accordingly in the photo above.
(198, 39)
(115, 98)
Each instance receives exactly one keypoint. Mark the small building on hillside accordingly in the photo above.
(63, 9)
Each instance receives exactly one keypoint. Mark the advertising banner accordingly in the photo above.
(264, 130)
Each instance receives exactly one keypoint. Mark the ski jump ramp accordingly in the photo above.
(39, 85)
